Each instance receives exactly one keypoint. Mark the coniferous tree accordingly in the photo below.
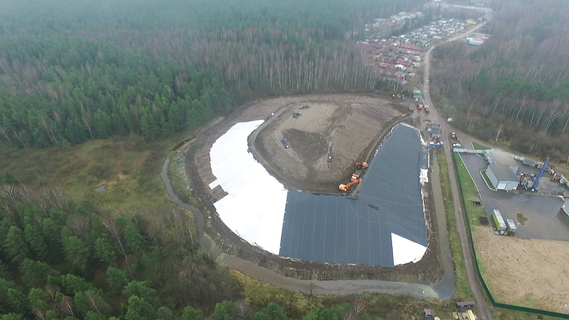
(15, 245)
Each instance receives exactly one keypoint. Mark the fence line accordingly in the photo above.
(490, 297)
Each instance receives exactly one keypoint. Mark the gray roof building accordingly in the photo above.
(502, 177)
(497, 157)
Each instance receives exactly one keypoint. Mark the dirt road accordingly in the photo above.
(441, 291)
(401, 280)
(483, 305)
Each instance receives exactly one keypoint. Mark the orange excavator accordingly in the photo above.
(358, 170)
(347, 187)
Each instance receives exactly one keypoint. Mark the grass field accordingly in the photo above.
(478, 146)
(128, 166)
(468, 190)
(488, 182)
(463, 291)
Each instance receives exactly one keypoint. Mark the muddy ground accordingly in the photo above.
(348, 126)
(353, 125)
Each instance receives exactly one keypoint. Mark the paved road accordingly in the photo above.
(484, 311)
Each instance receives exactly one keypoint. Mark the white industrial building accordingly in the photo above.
(502, 170)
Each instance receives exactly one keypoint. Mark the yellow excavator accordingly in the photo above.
(347, 187)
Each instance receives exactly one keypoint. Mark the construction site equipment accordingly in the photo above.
(539, 176)
(347, 187)
(499, 223)
(358, 170)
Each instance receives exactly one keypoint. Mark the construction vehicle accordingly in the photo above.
(539, 176)
(358, 170)
(347, 187)
(501, 227)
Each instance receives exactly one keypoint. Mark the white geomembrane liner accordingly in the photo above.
(405, 250)
(255, 205)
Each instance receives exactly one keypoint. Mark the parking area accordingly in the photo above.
(537, 216)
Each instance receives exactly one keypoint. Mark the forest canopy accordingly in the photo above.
(77, 70)
(514, 88)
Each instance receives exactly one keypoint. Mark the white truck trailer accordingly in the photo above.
(499, 223)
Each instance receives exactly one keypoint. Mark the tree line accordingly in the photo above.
(514, 87)
(59, 260)
(70, 71)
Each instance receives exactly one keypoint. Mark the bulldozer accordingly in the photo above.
(358, 170)
(347, 187)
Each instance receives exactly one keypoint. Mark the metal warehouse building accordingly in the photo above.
(502, 170)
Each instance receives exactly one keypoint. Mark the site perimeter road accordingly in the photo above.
(346, 287)
(483, 307)
(441, 291)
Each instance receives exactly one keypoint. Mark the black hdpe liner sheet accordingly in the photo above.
(346, 230)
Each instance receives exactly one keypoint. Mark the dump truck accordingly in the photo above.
(499, 223)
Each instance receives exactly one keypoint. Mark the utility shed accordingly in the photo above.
(502, 177)
(502, 170)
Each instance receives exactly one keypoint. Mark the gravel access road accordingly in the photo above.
(484, 311)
